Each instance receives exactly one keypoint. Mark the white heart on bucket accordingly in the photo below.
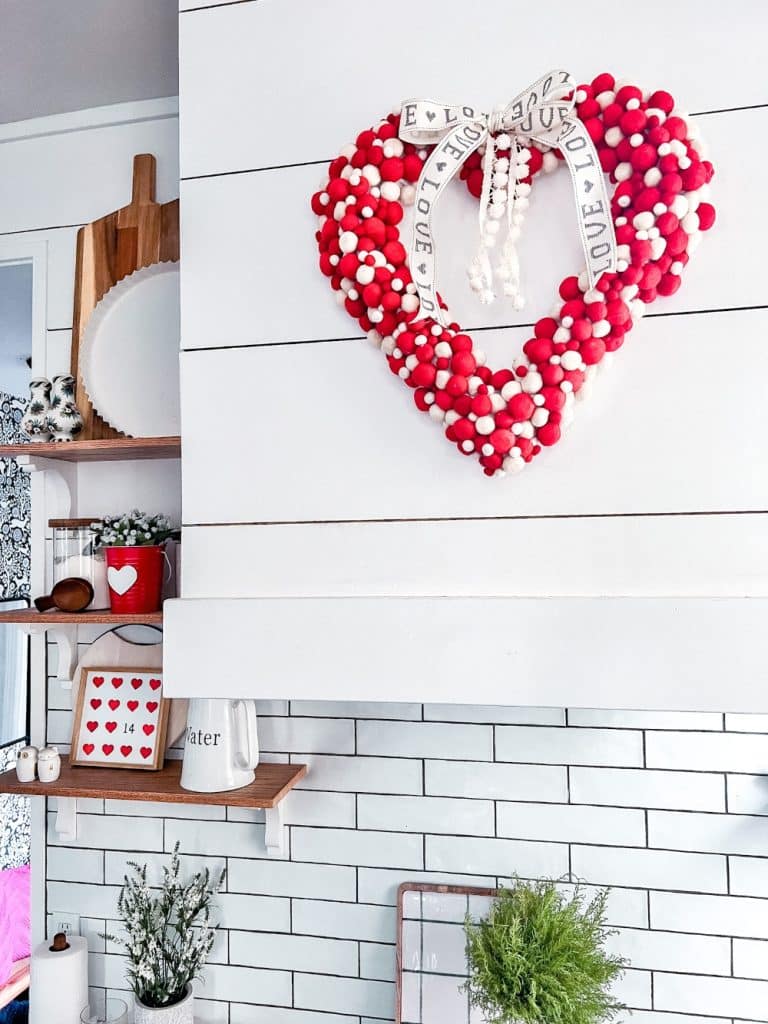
(121, 580)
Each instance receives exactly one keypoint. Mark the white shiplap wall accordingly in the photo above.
(333, 485)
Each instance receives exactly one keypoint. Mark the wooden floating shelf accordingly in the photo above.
(272, 783)
(31, 617)
(109, 450)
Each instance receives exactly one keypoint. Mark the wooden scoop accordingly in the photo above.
(70, 595)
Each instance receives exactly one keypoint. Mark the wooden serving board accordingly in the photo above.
(108, 249)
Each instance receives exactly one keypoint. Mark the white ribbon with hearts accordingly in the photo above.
(543, 113)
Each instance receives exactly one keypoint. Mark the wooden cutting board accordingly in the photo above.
(108, 249)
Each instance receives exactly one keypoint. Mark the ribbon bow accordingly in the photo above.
(543, 113)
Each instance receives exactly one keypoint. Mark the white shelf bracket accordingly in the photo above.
(65, 825)
(65, 638)
(274, 832)
(59, 494)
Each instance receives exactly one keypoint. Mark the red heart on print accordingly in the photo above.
(505, 416)
(148, 729)
(88, 748)
(110, 726)
(132, 705)
(117, 682)
(145, 752)
(92, 726)
(136, 683)
(98, 681)
(114, 704)
(125, 751)
(107, 748)
(95, 703)
(155, 684)
(152, 706)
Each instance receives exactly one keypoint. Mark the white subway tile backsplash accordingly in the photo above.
(377, 961)
(345, 920)
(356, 709)
(534, 782)
(650, 869)
(67, 864)
(245, 985)
(710, 915)
(698, 720)
(242, 1014)
(314, 735)
(707, 752)
(115, 832)
(344, 995)
(253, 913)
(346, 846)
(571, 824)
(426, 814)
(671, 951)
(643, 787)
(747, 794)
(717, 996)
(748, 876)
(294, 953)
(305, 807)
(361, 774)
(380, 885)
(659, 1017)
(634, 989)
(286, 878)
(716, 833)
(88, 900)
(529, 744)
(750, 958)
(493, 715)
(215, 838)
(496, 857)
(746, 723)
(426, 739)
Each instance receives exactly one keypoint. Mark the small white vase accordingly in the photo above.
(179, 1013)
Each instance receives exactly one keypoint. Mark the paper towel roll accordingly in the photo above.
(58, 984)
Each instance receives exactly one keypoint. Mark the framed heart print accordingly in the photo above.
(120, 719)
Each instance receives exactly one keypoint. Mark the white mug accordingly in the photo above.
(26, 764)
(48, 764)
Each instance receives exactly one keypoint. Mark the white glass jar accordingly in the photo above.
(74, 554)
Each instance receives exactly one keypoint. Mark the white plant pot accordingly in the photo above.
(179, 1013)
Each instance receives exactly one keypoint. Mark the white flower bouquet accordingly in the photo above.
(132, 529)
(169, 933)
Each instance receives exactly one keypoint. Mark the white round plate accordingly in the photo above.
(129, 353)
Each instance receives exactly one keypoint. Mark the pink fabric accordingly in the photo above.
(14, 919)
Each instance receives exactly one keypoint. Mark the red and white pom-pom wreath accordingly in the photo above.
(505, 416)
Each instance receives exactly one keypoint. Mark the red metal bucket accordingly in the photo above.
(135, 578)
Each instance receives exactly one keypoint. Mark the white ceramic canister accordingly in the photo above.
(48, 764)
(26, 764)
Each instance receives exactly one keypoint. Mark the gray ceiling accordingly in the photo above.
(61, 55)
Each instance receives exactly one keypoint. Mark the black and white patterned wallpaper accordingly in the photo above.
(14, 583)
(14, 506)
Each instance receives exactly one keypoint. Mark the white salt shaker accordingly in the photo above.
(48, 764)
(26, 764)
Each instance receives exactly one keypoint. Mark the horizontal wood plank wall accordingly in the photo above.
(659, 488)
(232, 211)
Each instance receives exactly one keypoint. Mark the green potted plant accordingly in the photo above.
(168, 938)
(539, 958)
(134, 547)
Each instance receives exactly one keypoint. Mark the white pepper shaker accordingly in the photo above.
(48, 764)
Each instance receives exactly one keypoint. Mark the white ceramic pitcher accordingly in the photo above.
(222, 745)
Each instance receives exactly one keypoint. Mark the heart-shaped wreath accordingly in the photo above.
(505, 416)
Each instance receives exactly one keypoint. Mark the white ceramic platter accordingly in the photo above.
(129, 353)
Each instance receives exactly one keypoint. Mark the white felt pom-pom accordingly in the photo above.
(532, 382)
(441, 378)
(510, 389)
(390, 191)
(365, 274)
(549, 162)
(443, 350)
(513, 464)
(643, 221)
(613, 136)
(409, 303)
(570, 360)
(371, 172)
(407, 195)
(540, 417)
(623, 172)
(348, 241)
(485, 425)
